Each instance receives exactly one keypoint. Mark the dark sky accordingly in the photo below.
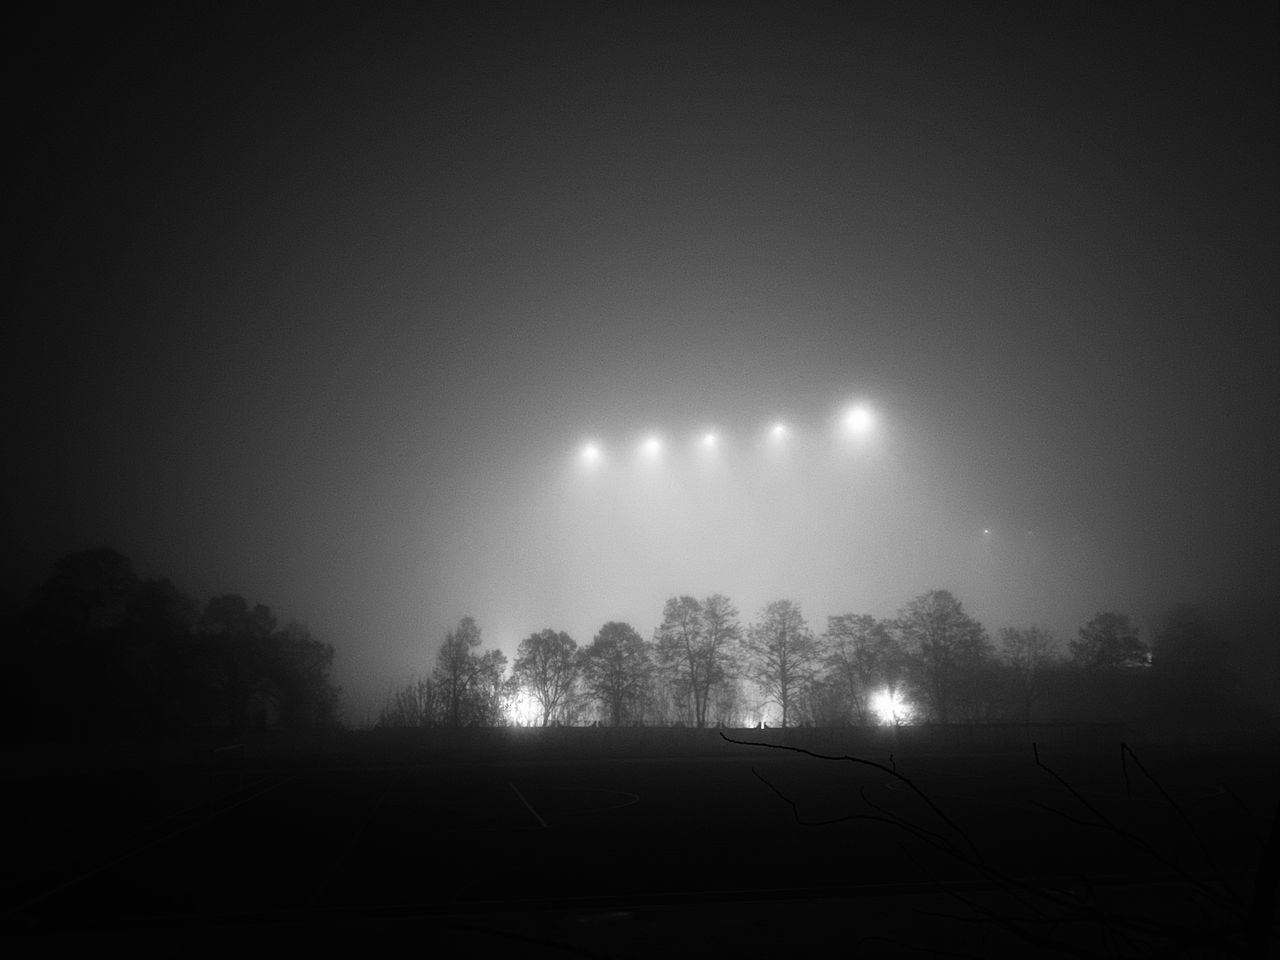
(318, 307)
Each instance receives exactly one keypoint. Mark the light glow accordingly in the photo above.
(890, 709)
(859, 421)
(591, 453)
(778, 431)
(652, 446)
(523, 710)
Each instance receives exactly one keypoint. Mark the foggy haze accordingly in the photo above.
(321, 310)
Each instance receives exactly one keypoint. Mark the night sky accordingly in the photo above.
(320, 307)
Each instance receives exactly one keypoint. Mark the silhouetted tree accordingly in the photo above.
(416, 704)
(1028, 652)
(300, 671)
(727, 703)
(859, 654)
(83, 675)
(492, 690)
(138, 658)
(238, 658)
(946, 644)
(781, 655)
(1191, 671)
(547, 665)
(616, 669)
(156, 644)
(696, 644)
(469, 682)
(88, 590)
(1108, 642)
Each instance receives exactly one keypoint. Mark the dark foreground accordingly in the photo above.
(728, 850)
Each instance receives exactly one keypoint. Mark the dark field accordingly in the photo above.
(604, 843)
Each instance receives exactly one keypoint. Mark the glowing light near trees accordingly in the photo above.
(890, 709)
(523, 710)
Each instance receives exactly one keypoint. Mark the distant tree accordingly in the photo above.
(782, 655)
(1185, 643)
(238, 658)
(162, 657)
(416, 704)
(547, 666)
(138, 658)
(727, 704)
(722, 648)
(1028, 653)
(1108, 642)
(946, 644)
(300, 672)
(823, 701)
(1190, 670)
(456, 670)
(487, 704)
(472, 684)
(88, 590)
(616, 669)
(696, 645)
(859, 654)
(81, 675)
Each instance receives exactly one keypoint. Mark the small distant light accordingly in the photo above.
(778, 431)
(986, 531)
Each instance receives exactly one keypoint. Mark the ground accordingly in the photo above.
(713, 848)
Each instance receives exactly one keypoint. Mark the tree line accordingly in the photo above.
(101, 652)
(704, 666)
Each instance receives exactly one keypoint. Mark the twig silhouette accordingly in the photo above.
(1127, 752)
(1105, 823)
(890, 770)
(1234, 929)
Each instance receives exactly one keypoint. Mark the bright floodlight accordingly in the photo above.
(591, 453)
(523, 710)
(859, 420)
(890, 709)
(709, 440)
(652, 446)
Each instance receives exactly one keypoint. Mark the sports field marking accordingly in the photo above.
(527, 805)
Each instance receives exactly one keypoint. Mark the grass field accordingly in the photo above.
(567, 842)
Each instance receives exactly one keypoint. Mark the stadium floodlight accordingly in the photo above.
(859, 420)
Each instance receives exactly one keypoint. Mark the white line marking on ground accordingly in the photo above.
(528, 806)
